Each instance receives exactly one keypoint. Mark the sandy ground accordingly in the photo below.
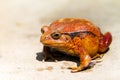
(20, 23)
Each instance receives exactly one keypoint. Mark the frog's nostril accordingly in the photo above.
(46, 38)
(42, 39)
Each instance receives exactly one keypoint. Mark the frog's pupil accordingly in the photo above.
(56, 35)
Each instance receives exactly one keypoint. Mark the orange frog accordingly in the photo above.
(76, 37)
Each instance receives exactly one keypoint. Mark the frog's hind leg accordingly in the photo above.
(97, 58)
(85, 60)
(104, 42)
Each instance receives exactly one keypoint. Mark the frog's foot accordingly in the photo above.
(47, 57)
(77, 69)
(47, 54)
(72, 67)
(84, 65)
(98, 56)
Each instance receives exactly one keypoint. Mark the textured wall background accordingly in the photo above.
(20, 23)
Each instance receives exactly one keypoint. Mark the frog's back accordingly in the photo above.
(71, 25)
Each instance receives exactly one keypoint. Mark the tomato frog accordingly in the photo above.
(75, 37)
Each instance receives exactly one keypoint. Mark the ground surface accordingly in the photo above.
(20, 22)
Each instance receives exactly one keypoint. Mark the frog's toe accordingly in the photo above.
(43, 60)
(72, 68)
(76, 69)
(47, 57)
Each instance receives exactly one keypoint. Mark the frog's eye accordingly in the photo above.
(56, 35)
(42, 30)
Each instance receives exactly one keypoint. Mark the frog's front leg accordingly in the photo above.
(85, 59)
(47, 54)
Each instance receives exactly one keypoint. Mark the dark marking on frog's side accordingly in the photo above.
(79, 34)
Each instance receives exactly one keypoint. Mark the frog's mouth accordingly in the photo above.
(53, 44)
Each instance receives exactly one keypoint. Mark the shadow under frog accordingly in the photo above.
(60, 56)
